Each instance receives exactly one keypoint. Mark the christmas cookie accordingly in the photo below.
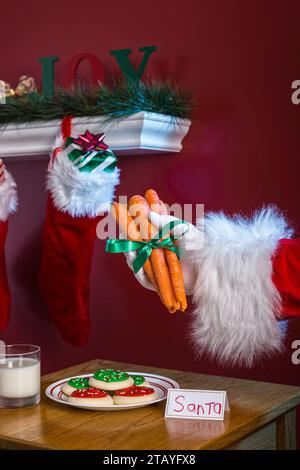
(140, 381)
(77, 383)
(110, 379)
(134, 394)
(90, 396)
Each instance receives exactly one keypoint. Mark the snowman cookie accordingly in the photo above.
(91, 397)
(135, 394)
(110, 379)
(76, 383)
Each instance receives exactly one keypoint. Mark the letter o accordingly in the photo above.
(73, 65)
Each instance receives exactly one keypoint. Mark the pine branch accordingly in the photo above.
(117, 101)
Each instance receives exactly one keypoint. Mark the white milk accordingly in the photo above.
(19, 377)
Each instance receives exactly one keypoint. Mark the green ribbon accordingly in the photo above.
(145, 248)
(80, 156)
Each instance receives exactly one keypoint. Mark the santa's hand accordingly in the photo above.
(189, 237)
(141, 276)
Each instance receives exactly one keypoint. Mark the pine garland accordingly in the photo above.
(119, 100)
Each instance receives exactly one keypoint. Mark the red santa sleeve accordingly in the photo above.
(286, 276)
(237, 302)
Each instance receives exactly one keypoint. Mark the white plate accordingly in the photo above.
(159, 383)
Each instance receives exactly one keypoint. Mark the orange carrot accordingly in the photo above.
(139, 209)
(173, 262)
(130, 230)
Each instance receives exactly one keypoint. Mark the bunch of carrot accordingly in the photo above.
(163, 267)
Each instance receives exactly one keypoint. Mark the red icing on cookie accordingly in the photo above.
(134, 391)
(89, 393)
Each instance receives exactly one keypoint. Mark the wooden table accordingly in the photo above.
(262, 416)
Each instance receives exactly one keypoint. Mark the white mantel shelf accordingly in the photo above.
(141, 133)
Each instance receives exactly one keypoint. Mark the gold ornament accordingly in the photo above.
(5, 89)
(26, 85)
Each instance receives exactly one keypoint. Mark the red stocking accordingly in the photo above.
(76, 199)
(65, 269)
(4, 289)
(8, 200)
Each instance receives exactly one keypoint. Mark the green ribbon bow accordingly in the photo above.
(79, 157)
(145, 248)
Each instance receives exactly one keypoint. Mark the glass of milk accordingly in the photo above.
(20, 375)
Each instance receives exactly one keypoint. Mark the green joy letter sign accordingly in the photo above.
(125, 64)
(48, 74)
(122, 57)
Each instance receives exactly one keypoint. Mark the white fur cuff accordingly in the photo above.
(8, 196)
(236, 301)
(80, 193)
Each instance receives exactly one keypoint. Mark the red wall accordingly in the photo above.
(243, 151)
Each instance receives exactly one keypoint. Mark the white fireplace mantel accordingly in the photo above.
(141, 133)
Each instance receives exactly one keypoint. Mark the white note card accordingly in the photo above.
(196, 404)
